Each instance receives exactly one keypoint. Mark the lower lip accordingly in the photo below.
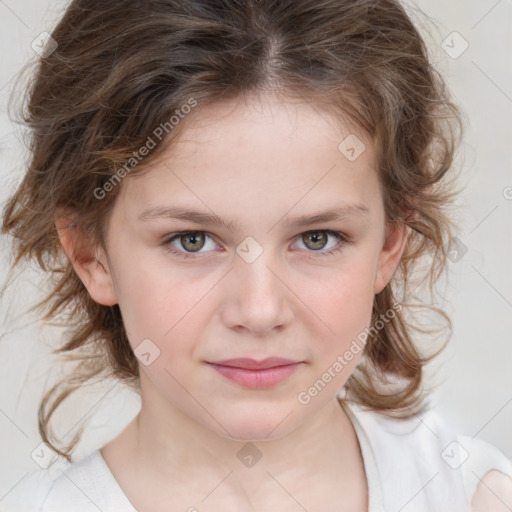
(256, 379)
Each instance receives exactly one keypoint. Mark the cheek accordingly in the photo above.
(344, 304)
(343, 301)
(157, 301)
(342, 297)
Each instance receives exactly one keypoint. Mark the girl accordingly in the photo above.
(232, 197)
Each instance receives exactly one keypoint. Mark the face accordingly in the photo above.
(281, 259)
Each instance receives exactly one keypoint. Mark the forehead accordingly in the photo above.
(256, 115)
(249, 150)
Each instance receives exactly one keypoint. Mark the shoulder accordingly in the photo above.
(29, 493)
(493, 494)
(87, 486)
(77, 487)
(487, 474)
(60, 488)
(425, 452)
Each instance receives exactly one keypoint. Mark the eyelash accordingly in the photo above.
(343, 240)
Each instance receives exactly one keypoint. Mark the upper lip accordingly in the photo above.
(253, 364)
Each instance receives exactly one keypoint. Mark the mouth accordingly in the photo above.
(252, 374)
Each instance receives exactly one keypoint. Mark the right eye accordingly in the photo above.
(190, 241)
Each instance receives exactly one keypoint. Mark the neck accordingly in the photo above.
(168, 440)
(167, 450)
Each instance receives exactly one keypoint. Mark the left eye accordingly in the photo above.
(317, 240)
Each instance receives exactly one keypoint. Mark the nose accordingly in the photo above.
(258, 299)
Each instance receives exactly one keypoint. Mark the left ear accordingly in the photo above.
(397, 234)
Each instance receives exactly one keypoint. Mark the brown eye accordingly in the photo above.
(315, 240)
(192, 242)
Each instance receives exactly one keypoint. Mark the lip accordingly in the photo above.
(246, 363)
(253, 374)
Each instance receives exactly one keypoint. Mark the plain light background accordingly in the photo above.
(473, 375)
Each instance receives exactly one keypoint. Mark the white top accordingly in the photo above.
(416, 465)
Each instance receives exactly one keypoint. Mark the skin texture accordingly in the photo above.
(494, 493)
(256, 162)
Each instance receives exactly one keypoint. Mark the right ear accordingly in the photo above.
(88, 260)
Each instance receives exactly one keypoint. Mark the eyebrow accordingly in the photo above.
(174, 212)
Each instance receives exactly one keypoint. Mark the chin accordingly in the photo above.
(252, 424)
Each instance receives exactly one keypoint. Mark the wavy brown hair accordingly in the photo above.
(124, 67)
